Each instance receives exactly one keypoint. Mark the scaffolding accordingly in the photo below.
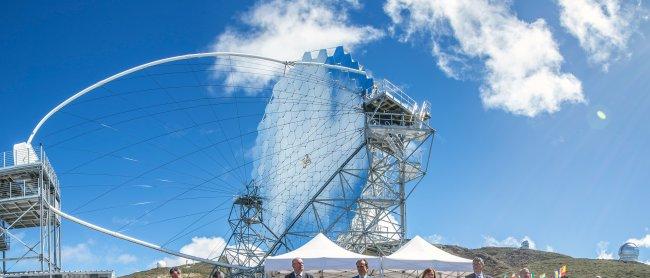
(359, 200)
(396, 128)
(28, 188)
(247, 244)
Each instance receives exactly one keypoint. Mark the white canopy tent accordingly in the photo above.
(418, 254)
(320, 253)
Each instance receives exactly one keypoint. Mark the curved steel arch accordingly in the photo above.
(172, 59)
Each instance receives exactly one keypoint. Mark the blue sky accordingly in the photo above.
(520, 151)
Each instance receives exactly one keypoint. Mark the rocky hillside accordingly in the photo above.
(503, 260)
(499, 261)
(188, 271)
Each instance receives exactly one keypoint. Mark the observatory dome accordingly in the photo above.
(628, 252)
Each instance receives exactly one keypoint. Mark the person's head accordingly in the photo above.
(362, 266)
(217, 274)
(524, 273)
(175, 272)
(478, 264)
(298, 265)
(429, 273)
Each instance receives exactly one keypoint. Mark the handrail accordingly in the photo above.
(385, 86)
(27, 156)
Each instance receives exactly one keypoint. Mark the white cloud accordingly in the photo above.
(284, 30)
(643, 242)
(549, 248)
(122, 259)
(519, 61)
(89, 252)
(435, 239)
(508, 242)
(603, 27)
(603, 253)
(80, 253)
(202, 247)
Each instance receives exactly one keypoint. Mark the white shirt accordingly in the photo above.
(298, 274)
(479, 275)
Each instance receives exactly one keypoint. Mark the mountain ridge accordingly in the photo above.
(499, 261)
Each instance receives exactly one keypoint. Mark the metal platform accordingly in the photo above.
(28, 187)
(396, 127)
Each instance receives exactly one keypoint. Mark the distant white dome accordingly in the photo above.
(629, 252)
(160, 264)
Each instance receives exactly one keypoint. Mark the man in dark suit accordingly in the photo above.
(362, 269)
(175, 272)
(478, 266)
(298, 270)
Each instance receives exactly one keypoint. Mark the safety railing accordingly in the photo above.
(18, 189)
(47, 167)
(385, 86)
(24, 154)
(393, 119)
(20, 156)
(425, 110)
(5, 242)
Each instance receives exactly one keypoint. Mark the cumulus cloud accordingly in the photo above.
(603, 253)
(435, 239)
(89, 252)
(603, 27)
(643, 242)
(79, 253)
(122, 259)
(518, 61)
(284, 30)
(508, 242)
(202, 247)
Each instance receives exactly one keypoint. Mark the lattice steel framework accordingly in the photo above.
(315, 113)
(334, 151)
(28, 188)
(396, 129)
(361, 201)
(247, 244)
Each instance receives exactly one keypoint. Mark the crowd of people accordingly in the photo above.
(362, 269)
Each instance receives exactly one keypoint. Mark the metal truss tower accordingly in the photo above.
(28, 188)
(246, 245)
(396, 129)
